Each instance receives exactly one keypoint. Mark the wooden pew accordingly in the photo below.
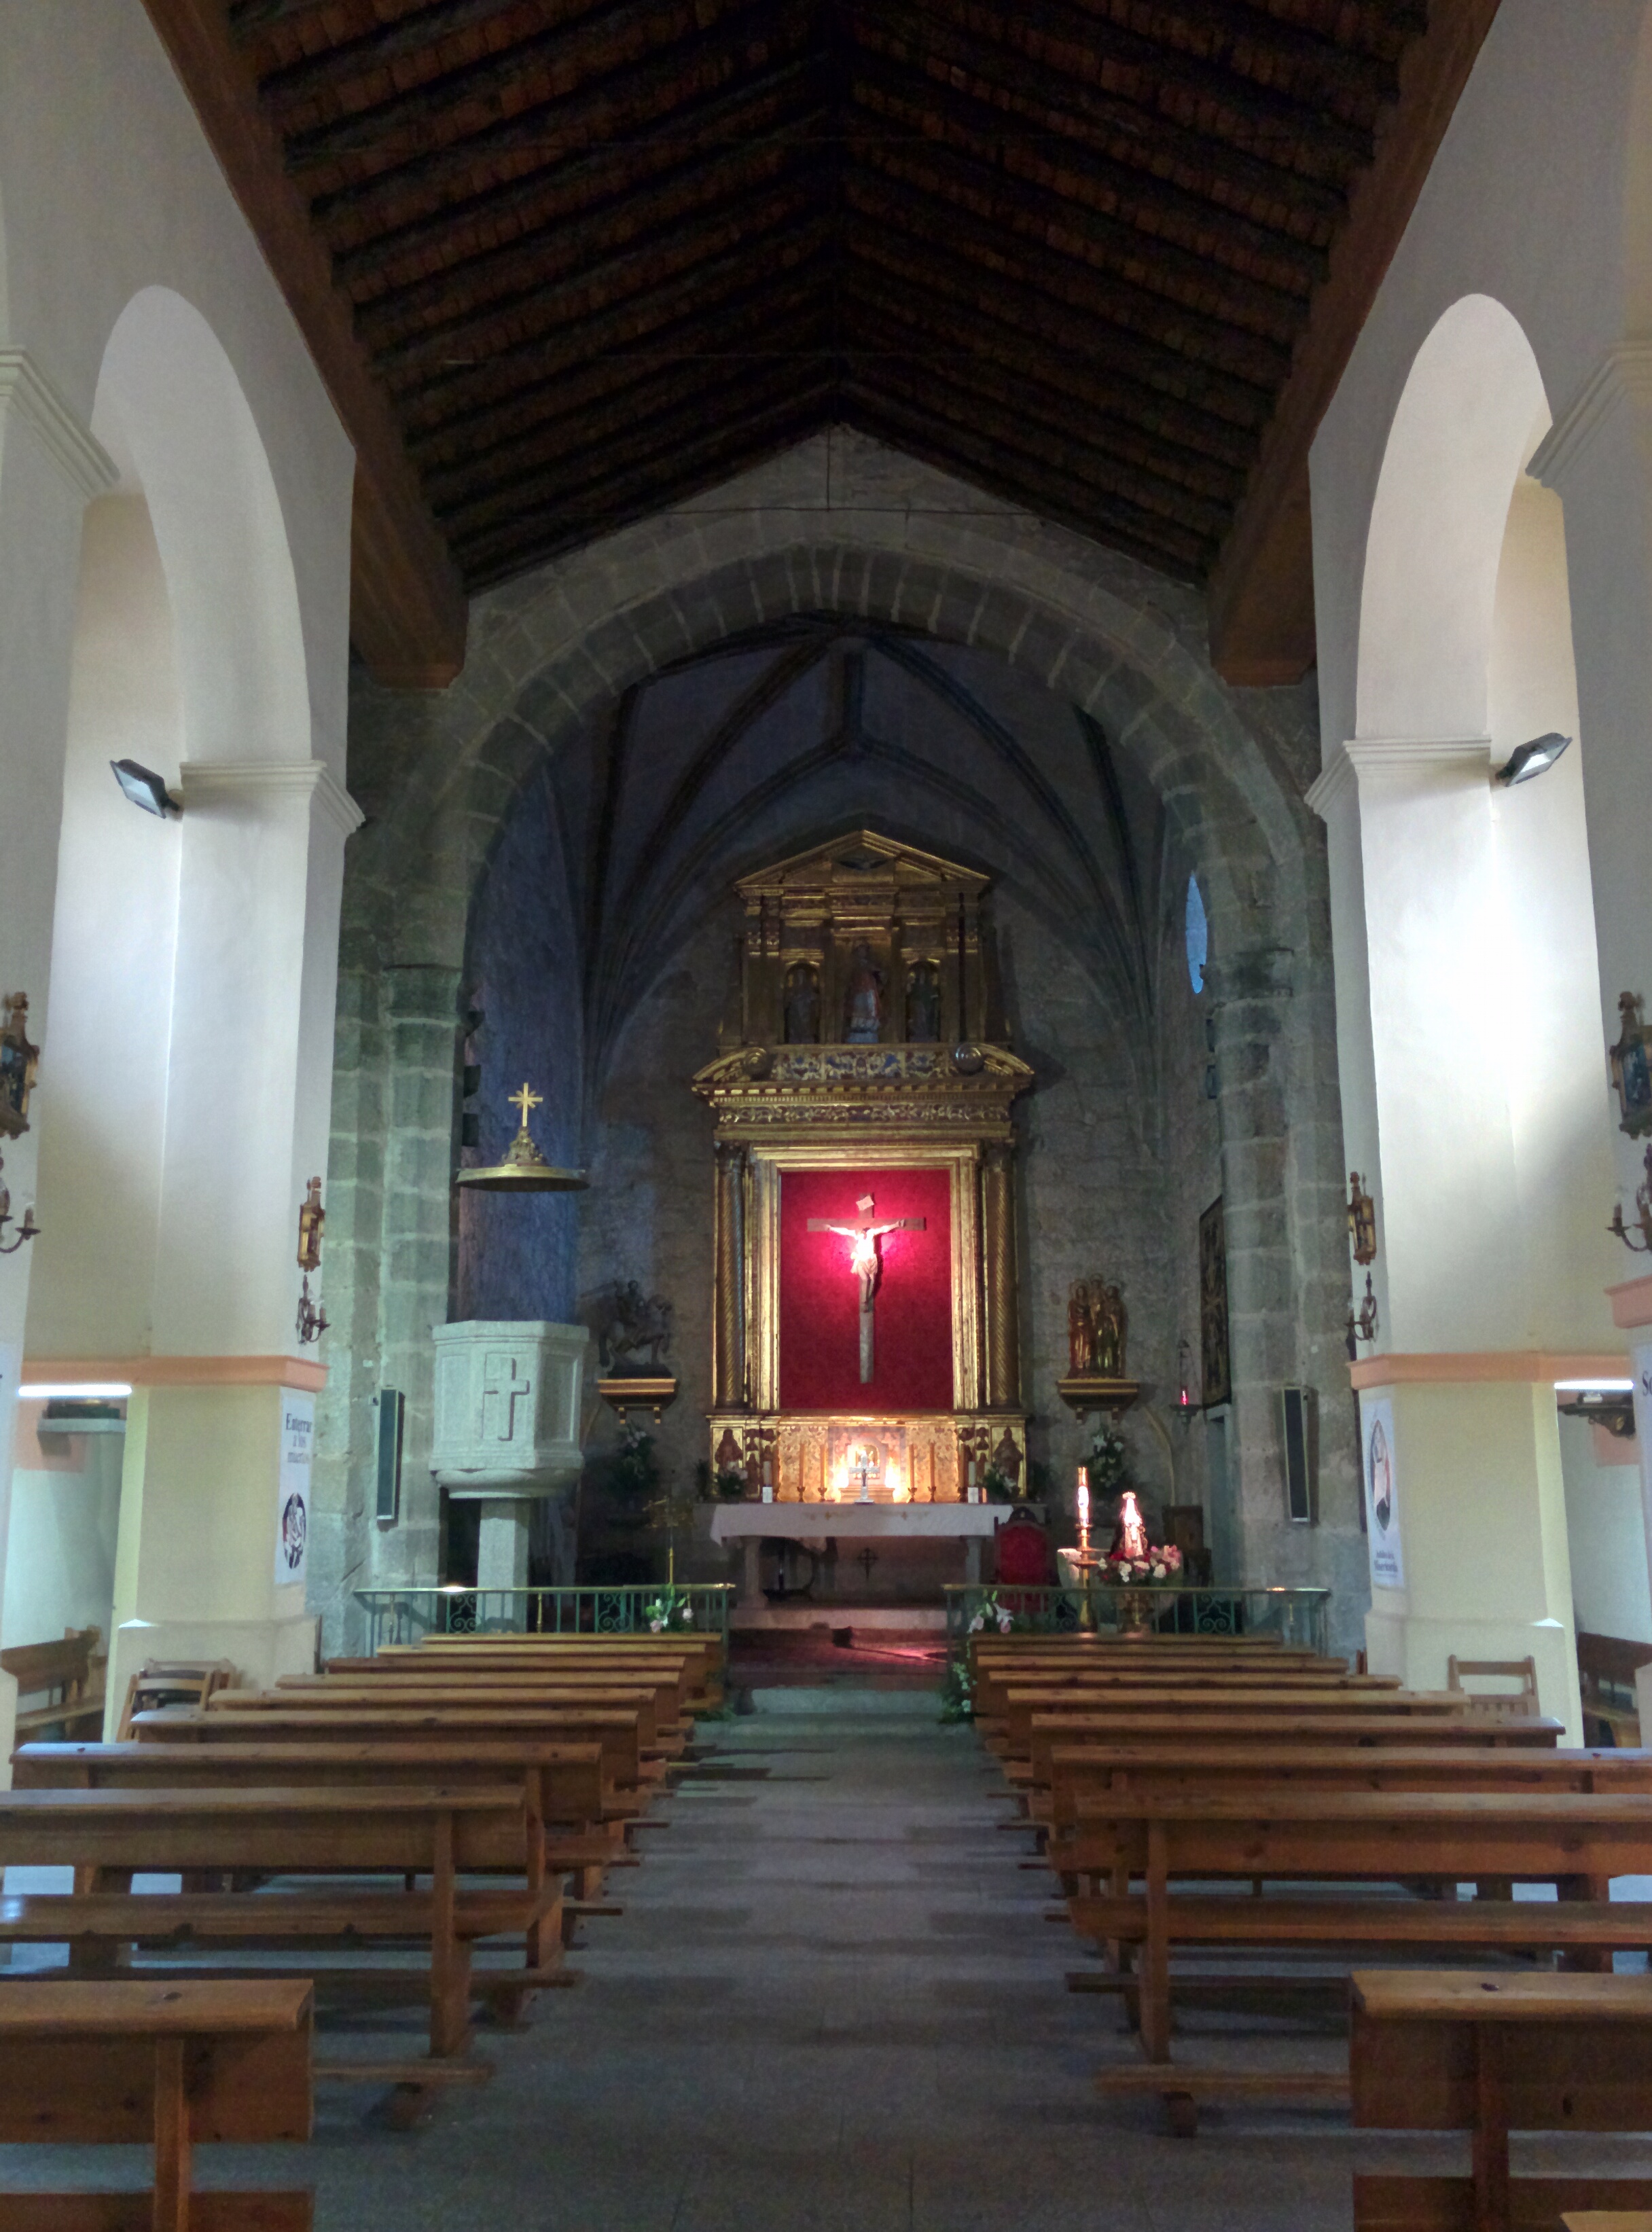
(341, 1699)
(1607, 1666)
(625, 1770)
(292, 1832)
(1466, 2050)
(673, 1677)
(563, 1798)
(61, 1674)
(171, 2065)
(704, 1651)
(1082, 1772)
(995, 1688)
(1266, 1709)
(663, 1728)
(1360, 1837)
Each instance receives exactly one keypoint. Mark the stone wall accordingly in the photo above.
(1051, 718)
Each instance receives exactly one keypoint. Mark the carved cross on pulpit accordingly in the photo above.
(867, 1264)
(503, 1387)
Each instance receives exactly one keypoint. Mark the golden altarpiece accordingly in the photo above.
(866, 1329)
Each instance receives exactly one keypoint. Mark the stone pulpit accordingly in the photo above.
(507, 1397)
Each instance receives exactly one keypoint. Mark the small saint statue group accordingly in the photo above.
(1096, 1325)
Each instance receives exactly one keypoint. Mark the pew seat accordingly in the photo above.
(1489, 2053)
(169, 2065)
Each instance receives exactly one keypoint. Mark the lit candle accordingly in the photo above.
(1084, 1498)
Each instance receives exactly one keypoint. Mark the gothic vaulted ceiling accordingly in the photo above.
(599, 255)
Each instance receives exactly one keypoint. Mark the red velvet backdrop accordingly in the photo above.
(821, 1296)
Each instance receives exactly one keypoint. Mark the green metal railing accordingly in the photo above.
(1299, 1617)
(409, 1615)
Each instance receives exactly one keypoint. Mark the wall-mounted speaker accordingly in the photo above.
(392, 1404)
(1299, 1439)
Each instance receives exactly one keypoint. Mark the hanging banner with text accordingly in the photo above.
(1382, 1492)
(293, 1486)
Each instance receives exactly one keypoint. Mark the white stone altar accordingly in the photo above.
(851, 1521)
(507, 1431)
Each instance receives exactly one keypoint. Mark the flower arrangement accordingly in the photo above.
(668, 1610)
(1162, 1564)
(990, 1613)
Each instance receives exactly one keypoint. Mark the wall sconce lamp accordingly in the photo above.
(27, 1230)
(1529, 760)
(1362, 1221)
(147, 789)
(312, 1321)
(1363, 1328)
(1643, 1215)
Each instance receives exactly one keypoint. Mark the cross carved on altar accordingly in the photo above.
(867, 1264)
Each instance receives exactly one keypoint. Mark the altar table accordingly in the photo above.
(850, 1520)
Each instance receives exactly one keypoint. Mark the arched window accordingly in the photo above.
(1198, 935)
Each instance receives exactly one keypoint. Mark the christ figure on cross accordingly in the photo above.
(866, 1263)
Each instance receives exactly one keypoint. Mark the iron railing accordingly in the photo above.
(1299, 1617)
(407, 1615)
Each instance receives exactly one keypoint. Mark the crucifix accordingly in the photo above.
(866, 1263)
(525, 1100)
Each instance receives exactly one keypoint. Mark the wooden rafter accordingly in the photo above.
(563, 262)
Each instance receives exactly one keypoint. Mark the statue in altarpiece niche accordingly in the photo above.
(1098, 1329)
(863, 1019)
(803, 1005)
(922, 1003)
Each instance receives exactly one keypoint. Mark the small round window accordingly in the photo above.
(1198, 933)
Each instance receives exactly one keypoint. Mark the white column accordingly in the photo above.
(1597, 457)
(1433, 1049)
(50, 468)
(248, 1092)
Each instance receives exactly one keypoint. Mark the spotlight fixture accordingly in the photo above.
(1532, 759)
(146, 789)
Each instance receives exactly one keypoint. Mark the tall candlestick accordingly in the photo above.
(1083, 1506)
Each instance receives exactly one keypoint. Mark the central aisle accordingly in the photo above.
(833, 2002)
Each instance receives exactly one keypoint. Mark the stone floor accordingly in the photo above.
(833, 2002)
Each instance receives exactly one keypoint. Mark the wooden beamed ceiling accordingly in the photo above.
(564, 262)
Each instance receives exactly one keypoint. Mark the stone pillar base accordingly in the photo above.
(501, 1547)
(260, 1650)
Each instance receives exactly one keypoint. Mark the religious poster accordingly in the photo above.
(1382, 1492)
(865, 1299)
(1216, 1370)
(293, 1486)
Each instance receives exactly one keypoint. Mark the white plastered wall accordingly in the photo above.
(119, 231)
(1522, 226)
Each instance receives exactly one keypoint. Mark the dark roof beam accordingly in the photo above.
(603, 454)
(1252, 113)
(673, 252)
(1157, 507)
(944, 54)
(1044, 386)
(561, 249)
(1156, 345)
(730, 112)
(667, 482)
(615, 36)
(1139, 264)
(1111, 365)
(544, 361)
(1159, 210)
(773, 317)
(630, 402)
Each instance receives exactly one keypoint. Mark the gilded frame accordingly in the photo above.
(768, 1161)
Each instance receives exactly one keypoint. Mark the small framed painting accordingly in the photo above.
(1217, 1369)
